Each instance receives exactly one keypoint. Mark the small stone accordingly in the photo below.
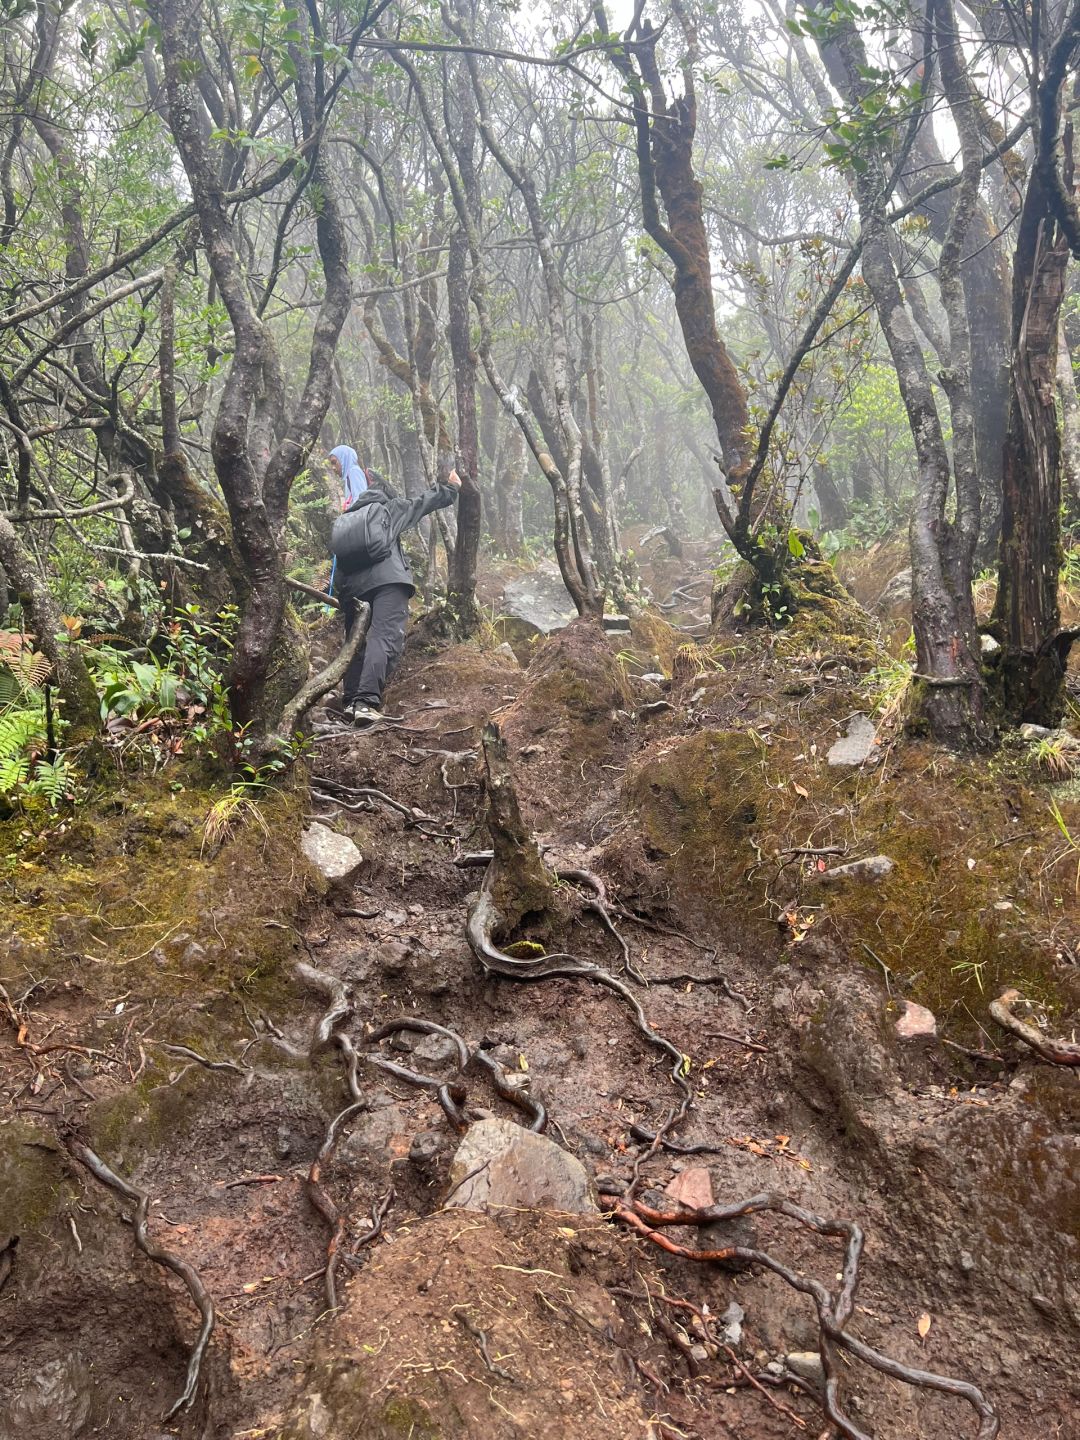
(896, 592)
(505, 650)
(967, 1261)
(284, 1142)
(807, 1363)
(335, 857)
(731, 1320)
(874, 867)
(699, 694)
(617, 624)
(1034, 732)
(916, 1021)
(775, 1368)
(856, 746)
(395, 957)
(425, 1148)
(699, 1353)
(692, 1188)
(653, 677)
(436, 1050)
(501, 1163)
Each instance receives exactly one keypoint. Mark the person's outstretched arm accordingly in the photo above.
(445, 493)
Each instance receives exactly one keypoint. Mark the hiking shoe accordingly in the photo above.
(361, 715)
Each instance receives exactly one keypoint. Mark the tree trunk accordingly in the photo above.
(1026, 609)
(1070, 417)
(461, 577)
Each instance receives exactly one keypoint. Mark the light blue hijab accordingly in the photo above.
(353, 477)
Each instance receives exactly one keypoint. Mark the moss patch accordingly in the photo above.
(129, 895)
(34, 1180)
(826, 619)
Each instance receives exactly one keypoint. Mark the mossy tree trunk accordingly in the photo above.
(1026, 610)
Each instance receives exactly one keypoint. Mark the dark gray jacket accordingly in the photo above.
(404, 514)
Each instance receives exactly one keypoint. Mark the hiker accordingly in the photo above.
(372, 567)
(345, 463)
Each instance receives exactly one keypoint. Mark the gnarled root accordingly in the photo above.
(484, 922)
(834, 1312)
(1055, 1052)
(187, 1273)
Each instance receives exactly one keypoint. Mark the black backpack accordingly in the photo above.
(363, 536)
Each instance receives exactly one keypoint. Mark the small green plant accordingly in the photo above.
(1072, 846)
(30, 766)
(886, 685)
(968, 970)
(1057, 755)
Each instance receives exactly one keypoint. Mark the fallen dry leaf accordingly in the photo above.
(800, 790)
(924, 1325)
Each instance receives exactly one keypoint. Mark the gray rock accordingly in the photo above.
(988, 645)
(539, 600)
(731, 1320)
(617, 624)
(654, 677)
(509, 1165)
(874, 867)
(506, 651)
(436, 1050)
(334, 856)
(807, 1363)
(896, 592)
(856, 746)
(1035, 732)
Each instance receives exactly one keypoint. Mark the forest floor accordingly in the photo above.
(711, 823)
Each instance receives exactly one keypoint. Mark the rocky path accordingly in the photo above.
(504, 1320)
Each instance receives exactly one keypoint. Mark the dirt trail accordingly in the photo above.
(962, 1176)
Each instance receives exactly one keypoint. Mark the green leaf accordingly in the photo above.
(795, 545)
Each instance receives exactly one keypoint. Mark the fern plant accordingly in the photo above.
(26, 771)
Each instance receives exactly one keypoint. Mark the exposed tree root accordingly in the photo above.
(422, 1027)
(598, 906)
(451, 1096)
(318, 685)
(513, 1089)
(101, 1172)
(322, 1201)
(364, 797)
(483, 922)
(516, 883)
(834, 1312)
(1055, 1052)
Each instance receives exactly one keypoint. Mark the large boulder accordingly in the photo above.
(539, 601)
(499, 1163)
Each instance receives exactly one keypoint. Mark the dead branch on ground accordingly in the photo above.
(318, 685)
(1055, 1052)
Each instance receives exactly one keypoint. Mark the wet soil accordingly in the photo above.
(962, 1171)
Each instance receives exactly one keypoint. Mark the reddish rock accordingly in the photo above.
(692, 1188)
(915, 1022)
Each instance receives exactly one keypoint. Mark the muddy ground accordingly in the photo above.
(959, 1161)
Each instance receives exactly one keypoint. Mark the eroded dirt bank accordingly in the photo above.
(711, 822)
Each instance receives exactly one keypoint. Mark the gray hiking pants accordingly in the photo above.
(374, 663)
